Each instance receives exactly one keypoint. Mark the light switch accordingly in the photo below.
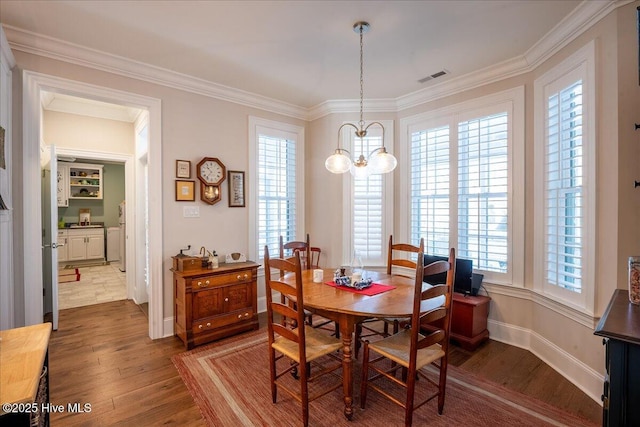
(191, 211)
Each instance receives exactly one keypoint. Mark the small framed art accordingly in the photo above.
(185, 191)
(236, 189)
(183, 169)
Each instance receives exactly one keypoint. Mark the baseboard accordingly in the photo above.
(167, 327)
(582, 376)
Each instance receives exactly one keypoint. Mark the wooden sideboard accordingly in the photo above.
(620, 327)
(215, 303)
(24, 375)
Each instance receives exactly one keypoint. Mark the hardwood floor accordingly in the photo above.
(101, 355)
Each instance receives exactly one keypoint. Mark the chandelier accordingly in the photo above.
(378, 161)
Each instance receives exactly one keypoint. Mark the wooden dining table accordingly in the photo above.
(349, 308)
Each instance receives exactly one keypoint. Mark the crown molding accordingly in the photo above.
(5, 50)
(582, 18)
(37, 44)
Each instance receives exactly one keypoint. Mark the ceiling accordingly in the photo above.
(301, 52)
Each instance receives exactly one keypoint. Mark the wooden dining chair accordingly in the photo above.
(400, 265)
(303, 345)
(409, 350)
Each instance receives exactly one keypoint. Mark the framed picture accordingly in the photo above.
(185, 191)
(236, 189)
(183, 169)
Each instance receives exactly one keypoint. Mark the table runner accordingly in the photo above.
(374, 289)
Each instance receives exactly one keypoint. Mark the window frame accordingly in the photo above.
(259, 126)
(579, 65)
(510, 100)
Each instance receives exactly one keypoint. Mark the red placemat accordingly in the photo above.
(374, 289)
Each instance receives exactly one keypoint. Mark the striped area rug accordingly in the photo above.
(229, 382)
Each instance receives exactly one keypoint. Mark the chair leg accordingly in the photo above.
(365, 375)
(272, 369)
(411, 387)
(442, 384)
(304, 393)
(356, 338)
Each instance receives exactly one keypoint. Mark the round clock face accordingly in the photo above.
(211, 171)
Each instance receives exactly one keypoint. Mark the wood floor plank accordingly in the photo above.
(102, 355)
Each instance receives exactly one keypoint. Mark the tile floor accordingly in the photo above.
(97, 284)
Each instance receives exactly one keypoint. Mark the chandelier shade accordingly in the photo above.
(379, 161)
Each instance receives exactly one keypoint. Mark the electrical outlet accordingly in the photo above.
(191, 211)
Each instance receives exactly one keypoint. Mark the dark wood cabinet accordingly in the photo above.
(215, 303)
(620, 327)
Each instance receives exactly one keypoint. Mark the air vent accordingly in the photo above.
(433, 76)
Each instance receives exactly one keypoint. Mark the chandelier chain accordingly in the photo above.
(361, 79)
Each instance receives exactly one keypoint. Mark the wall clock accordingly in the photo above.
(211, 172)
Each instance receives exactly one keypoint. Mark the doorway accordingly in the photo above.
(34, 84)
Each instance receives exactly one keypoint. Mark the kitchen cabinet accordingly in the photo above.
(620, 327)
(24, 382)
(63, 185)
(63, 245)
(211, 304)
(85, 243)
(83, 181)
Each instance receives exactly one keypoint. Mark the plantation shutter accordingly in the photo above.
(430, 186)
(276, 191)
(368, 210)
(483, 191)
(563, 188)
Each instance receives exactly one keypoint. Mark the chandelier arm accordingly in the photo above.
(379, 148)
(340, 130)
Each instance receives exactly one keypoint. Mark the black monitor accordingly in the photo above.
(463, 282)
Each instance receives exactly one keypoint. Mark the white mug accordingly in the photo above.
(356, 277)
(318, 275)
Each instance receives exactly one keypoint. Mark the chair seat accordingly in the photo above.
(397, 346)
(317, 344)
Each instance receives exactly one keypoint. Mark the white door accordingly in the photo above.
(50, 236)
(77, 249)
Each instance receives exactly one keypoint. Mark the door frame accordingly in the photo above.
(33, 85)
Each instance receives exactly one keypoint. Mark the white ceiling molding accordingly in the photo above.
(88, 107)
(582, 18)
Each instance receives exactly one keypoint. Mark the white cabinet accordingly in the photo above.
(85, 244)
(63, 185)
(85, 181)
(63, 245)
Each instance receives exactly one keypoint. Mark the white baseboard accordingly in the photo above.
(581, 375)
(167, 327)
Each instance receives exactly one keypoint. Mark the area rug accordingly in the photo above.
(89, 263)
(68, 275)
(229, 382)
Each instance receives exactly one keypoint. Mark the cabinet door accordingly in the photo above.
(238, 297)
(77, 247)
(95, 246)
(207, 303)
(63, 246)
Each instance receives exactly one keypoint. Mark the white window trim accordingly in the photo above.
(452, 115)
(582, 61)
(259, 126)
(348, 139)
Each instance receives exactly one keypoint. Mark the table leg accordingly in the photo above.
(346, 330)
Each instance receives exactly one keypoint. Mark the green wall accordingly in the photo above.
(105, 210)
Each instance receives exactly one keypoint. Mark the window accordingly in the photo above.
(277, 209)
(465, 181)
(483, 185)
(368, 202)
(565, 206)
